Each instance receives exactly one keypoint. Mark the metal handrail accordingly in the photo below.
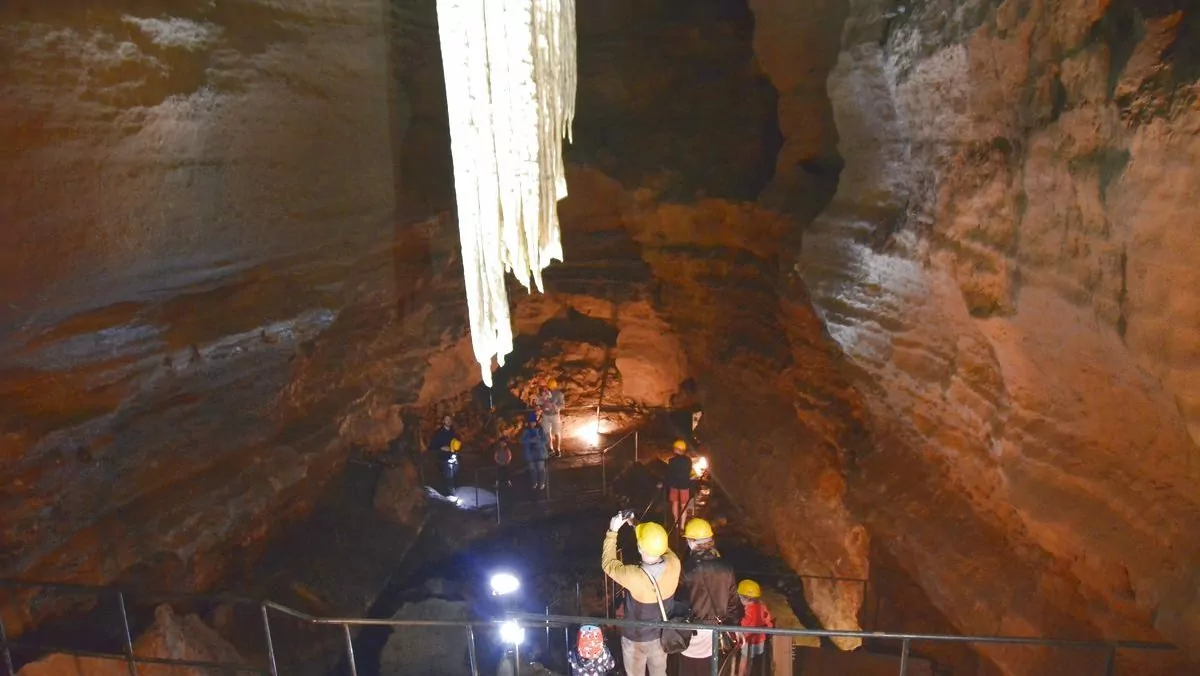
(603, 453)
(524, 620)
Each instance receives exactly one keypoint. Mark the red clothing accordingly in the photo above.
(757, 615)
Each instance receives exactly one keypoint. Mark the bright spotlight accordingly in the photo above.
(700, 465)
(590, 436)
(511, 632)
(504, 584)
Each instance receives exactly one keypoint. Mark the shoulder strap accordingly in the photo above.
(657, 594)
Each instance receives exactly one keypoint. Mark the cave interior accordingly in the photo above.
(927, 269)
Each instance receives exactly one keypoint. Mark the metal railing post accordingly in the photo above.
(578, 600)
(604, 472)
(8, 665)
(1110, 663)
(349, 649)
(715, 661)
(636, 446)
(471, 651)
(904, 646)
(517, 659)
(547, 632)
(128, 635)
(270, 642)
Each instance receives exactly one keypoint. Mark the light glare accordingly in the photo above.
(504, 584)
(511, 632)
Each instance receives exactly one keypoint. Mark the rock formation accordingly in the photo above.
(1007, 264)
(928, 264)
(170, 638)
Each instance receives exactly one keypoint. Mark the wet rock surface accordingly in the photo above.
(230, 267)
(1008, 236)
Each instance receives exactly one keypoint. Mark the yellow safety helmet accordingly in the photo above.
(651, 539)
(680, 445)
(749, 589)
(455, 445)
(697, 529)
(552, 384)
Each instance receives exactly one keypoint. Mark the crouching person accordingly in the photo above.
(655, 577)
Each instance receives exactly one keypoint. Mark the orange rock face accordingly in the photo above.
(226, 262)
(1004, 264)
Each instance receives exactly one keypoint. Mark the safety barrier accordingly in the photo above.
(581, 460)
(523, 620)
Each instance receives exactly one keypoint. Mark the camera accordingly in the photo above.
(627, 514)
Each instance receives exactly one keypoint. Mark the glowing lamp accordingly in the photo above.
(700, 466)
(511, 632)
(504, 584)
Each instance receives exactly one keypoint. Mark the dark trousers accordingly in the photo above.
(695, 666)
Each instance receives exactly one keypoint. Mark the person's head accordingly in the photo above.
(531, 420)
(591, 642)
(749, 591)
(447, 422)
(680, 447)
(551, 384)
(699, 535)
(652, 541)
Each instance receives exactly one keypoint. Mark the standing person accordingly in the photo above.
(502, 456)
(590, 656)
(659, 567)
(679, 482)
(711, 591)
(440, 447)
(533, 440)
(550, 403)
(753, 645)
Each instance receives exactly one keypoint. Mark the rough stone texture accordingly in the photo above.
(227, 264)
(1008, 263)
(201, 276)
(171, 637)
(428, 651)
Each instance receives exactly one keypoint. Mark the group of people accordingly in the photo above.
(540, 438)
(703, 589)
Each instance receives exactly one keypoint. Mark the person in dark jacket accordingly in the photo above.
(442, 446)
(710, 587)
(537, 449)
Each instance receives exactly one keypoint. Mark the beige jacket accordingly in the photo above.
(632, 577)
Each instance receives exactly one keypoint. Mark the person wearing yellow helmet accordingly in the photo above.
(655, 577)
(679, 482)
(710, 586)
(753, 645)
(550, 403)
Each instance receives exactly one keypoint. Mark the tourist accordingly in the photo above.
(533, 440)
(655, 578)
(502, 456)
(753, 645)
(591, 656)
(679, 482)
(444, 437)
(711, 591)
(550, 403)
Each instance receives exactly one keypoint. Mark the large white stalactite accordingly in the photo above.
(510, 86)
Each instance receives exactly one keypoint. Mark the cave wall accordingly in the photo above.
(1008, 265)
(199, 277)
